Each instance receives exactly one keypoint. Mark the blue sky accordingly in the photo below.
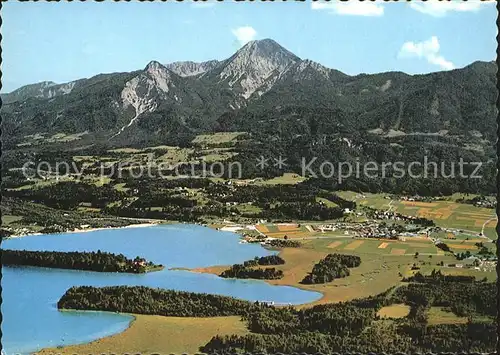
(66, 41)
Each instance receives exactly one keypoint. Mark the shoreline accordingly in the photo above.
(86, 230)
(56, 350)
(152, 223)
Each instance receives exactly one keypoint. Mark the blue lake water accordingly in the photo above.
(31, 320)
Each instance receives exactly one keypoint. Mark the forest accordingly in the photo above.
(247, 270)
(147, 300)
(355, 326)
(239, 271)
(265, 260)
(282, 243)
(87, 261)
(333, 266)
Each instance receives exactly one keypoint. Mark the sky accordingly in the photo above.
(65, 41)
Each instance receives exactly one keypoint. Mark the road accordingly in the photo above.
(485, 224)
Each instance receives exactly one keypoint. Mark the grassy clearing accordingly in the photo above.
(158, 147)
(121, 187)
(438, 315)
(394, 311)
(39, 183)
(285, 179)
(215, 155)
(291, 230)
(216, 138)
(55, 138)
(326, 202)
(88, 209)
(248, 209)
(176, 155)
(63, 137)
(84, 158)
(8, 219)
(97, 181)
(160, 335)
(380, 247)
(126, 150)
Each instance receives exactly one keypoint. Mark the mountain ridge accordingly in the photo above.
(177, 67)
(189, 97)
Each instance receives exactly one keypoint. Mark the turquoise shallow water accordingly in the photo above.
(31, 320)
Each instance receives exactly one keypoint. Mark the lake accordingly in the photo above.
(31, 320)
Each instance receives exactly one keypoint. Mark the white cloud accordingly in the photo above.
(244, 34)
(353, 8)
(428, 50)
(438, 8)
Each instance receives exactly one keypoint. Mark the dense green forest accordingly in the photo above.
(382, 338)
(438, 277)
(238, 271)
(355, 327)
(333, 266)
(264, 260)
(247, 270)
(464, 296)
(146, 300)
(88, 261)
(282, 243)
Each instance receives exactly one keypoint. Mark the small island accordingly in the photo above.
(86, 261)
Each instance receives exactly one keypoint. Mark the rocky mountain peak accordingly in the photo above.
(256, 64)
(153, 66)
(268, 48)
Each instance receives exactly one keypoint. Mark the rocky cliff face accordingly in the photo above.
(188, 68)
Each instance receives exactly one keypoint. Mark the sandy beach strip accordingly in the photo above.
(85, 230)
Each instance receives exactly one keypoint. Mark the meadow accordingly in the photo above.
(160, 335)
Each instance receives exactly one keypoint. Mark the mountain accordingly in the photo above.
(255, 68)
(188, 68)
(261, 84)
(43, 90)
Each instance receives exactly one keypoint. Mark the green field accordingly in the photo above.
(7, 219)
(285, 179)
(216, 138)
(157, 334)
(439, 315)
